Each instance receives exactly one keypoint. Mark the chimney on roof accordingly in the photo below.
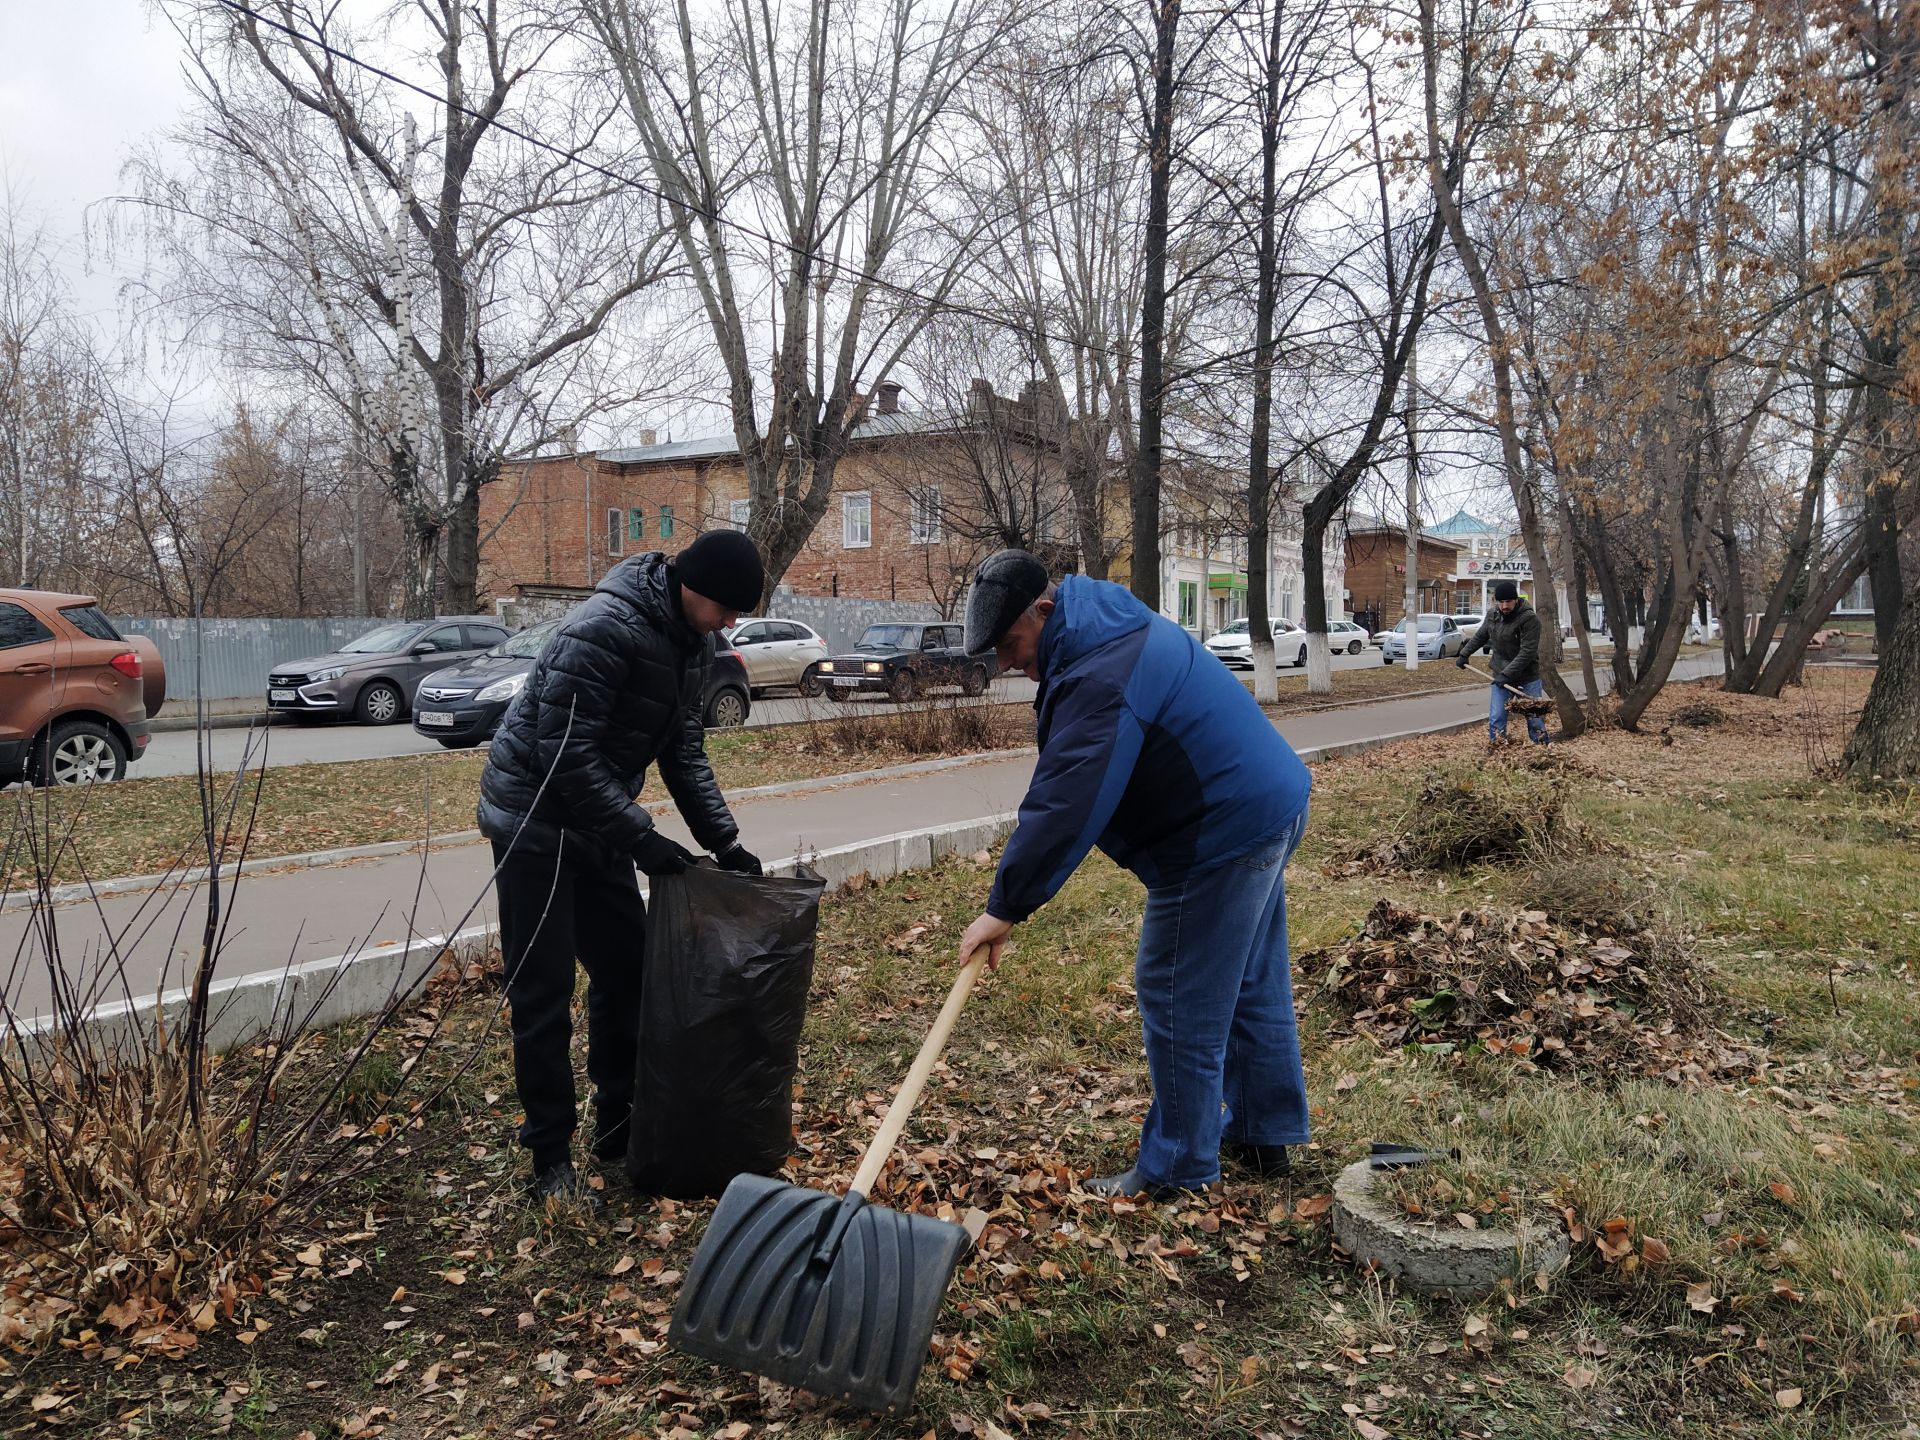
(889, 398)
(649, 437)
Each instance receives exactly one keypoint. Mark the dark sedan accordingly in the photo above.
(462, 708)
(902, 661)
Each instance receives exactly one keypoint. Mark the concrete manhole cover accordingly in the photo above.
(1432, 1260)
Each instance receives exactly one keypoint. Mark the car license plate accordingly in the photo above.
(439, 719)
(281, 695)
(843, 680)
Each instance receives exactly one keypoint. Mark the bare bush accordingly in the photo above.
(946, 725)
(146, 1181)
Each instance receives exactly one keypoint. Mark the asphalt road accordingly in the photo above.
(175, 752)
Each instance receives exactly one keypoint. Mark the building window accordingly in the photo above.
(924, 514)
(616, 532)
(666, 522)
(636, 524)
(1189, 603)
(739, 512)
(856, 521)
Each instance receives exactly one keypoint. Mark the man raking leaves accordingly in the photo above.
(1152, 750)
(1511, 633)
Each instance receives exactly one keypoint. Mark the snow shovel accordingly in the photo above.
(822, 1291)
(1522, 703)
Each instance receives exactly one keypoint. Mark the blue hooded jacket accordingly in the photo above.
(1149, 748)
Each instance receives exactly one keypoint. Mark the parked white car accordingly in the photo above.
(1232, 643)
(1342, 635)
(779, 652)
(1439, 638)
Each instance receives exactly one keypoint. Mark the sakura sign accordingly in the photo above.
(1476, 569)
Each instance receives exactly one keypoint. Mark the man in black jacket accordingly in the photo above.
(616, 689)
(1511, 633)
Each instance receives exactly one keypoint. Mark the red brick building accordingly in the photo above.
(1377, 573)
(910, 516)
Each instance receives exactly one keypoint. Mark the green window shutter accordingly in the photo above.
(636, 524)
(666, 522)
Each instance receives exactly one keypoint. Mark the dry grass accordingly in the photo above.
(1742, 1263)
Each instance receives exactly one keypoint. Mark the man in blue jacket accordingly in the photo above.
(1152, 750)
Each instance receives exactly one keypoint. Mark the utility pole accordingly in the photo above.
(1412, 617)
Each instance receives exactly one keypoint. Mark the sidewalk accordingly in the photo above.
(312, 913)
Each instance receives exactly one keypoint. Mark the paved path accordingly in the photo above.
(317, 913)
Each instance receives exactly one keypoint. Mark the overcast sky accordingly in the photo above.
(84, 82)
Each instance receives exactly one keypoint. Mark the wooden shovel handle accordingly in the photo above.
(1501, 683)
(916, 1080)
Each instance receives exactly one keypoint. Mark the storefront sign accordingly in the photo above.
(1471, 569)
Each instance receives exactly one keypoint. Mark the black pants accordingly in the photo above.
(554, 909)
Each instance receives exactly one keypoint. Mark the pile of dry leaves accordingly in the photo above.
(1523, 986)
(1515, 803)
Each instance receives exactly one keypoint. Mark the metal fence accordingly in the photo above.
(838, 618)
(234, 656)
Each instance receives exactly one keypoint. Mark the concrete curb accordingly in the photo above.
(347, 854)
(367, 980)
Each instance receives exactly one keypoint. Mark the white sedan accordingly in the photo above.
(779, 652)
(1341, 635)
(1232, 643)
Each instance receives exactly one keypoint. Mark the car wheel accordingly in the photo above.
(903, 687)
(726, 710)
(974, 682)
(1353, 648)
(79, 752)
(1300, 660)
(380, 704)
(810, 685)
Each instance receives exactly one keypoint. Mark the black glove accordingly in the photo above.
(1461, 660)
(742, 861)
(657, 855)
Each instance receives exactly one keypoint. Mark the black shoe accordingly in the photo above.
(1269, 1162)
(562, 1183)
(1132, 1185)
(610, 1140)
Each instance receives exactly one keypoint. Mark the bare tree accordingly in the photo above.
(54, 523)
(796, 150)
(1058, 164)
(446, 290)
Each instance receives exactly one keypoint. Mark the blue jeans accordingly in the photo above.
(1216, 1006)
(1497, 712)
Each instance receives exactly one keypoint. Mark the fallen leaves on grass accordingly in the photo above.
(1521, 986)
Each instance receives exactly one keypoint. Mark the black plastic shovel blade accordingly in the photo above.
(833, 1295)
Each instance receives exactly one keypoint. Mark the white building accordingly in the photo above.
(1203, 572)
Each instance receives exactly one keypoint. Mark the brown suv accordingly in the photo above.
(75, 694)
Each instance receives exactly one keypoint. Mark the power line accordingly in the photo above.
(814, 257)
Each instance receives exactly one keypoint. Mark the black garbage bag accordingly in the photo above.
(723, 997)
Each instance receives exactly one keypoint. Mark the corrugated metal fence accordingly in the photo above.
(235, 655)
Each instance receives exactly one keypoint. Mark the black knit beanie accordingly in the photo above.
(1502, 590)
(724, 566)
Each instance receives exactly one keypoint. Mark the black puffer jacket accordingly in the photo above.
(617, 688)
(1514, 641)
